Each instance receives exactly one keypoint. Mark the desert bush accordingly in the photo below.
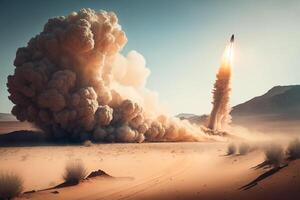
(11, 185)
(244, 148)
(87, 143)
(231, 149)
(293, 149)
(274, 155)
(74, 172)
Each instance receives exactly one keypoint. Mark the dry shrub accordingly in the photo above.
(244, 148)
(87, 143)
(74, 172)
(293, 149)
(274, 155)
(11, 185)
(231, 149)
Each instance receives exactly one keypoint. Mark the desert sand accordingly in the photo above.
(150, 171)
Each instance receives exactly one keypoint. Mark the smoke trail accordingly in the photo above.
(220, 114)
(72, 82)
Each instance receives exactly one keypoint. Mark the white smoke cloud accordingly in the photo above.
(131, 70)
(129, 77)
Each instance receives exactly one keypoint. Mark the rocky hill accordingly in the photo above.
(276, 110)
(282, 102)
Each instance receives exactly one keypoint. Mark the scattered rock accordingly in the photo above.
(98, 173)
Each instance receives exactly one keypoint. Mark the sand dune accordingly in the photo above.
(157, 170)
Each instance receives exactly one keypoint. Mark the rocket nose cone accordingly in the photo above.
(232, 38)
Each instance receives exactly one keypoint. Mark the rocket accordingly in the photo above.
(232, 38)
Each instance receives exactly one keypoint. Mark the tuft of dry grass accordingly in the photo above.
(74, 172)
(231, 149)
(293, 149)
(274, 155)
(11, 185)
(87, 143)
(244, 148)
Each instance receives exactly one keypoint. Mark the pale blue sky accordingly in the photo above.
(182, 41)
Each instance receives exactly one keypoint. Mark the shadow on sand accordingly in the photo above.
(262, 176)
(265, 165)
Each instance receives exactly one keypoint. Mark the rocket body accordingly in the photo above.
(232, 38)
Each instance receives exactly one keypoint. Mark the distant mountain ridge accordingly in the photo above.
(279, 103)
(7, 117)
(280, 100)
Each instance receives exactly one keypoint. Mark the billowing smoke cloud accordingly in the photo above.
(220, 114)
(73, 83)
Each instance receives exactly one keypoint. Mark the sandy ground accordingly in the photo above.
(154, 170)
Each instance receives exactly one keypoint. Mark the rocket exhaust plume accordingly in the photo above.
(72, 82)
(220, 114)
